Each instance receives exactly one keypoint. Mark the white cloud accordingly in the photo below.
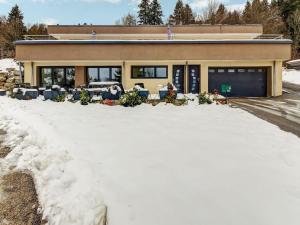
(3, 1)
(50, 21)
(238, 7)
(199, 4)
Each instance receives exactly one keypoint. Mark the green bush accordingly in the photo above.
(60, 98)
(84, 97)
(204, 99)
(131, 99)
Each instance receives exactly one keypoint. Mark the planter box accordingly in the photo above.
(163, 94)
(2, 92)
(76, 95)
(110, 96)
(51, 94)
(144, 94)
(32, 94)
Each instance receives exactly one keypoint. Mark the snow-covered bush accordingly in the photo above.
(132, 98)
(84, 97)
(205, 98)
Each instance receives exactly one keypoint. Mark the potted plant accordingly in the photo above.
(168, 91)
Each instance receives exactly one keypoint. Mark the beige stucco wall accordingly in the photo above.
(149, 52)
(275, 84)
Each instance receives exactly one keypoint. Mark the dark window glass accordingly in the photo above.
(161, 72)
(62, 76)
(70, 77)
(93, 74)
(137, 72)
(141, 72)
(58, 76)
(149, 72)
(116, 74)
(105, 74)
(251, 70)
(46, 77)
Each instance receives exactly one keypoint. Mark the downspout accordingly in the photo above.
(186, 77)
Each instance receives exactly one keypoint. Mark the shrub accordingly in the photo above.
(60, 98)
(84, 97)
(204, 98)
(131, 99)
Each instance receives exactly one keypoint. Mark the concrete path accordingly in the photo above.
(283, 111)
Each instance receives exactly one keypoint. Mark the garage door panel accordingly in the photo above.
(245, 82)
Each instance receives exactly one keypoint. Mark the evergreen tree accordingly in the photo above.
(221, 14)
(188, 17)
(247, 13)
(155, 13)
(15, 21)
(178, 12)
(144, 13)
(294, 27)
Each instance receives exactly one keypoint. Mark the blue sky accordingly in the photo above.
(91, 11)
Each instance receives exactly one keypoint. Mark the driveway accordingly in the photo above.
(283, 111)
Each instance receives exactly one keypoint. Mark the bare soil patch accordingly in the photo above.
(19, 203)
(4, 151)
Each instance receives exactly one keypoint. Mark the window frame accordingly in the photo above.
(98, 72)
(155, 71)
(52, 74)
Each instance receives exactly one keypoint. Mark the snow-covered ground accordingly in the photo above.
(162, 165)
(291, 76)
(8, 64)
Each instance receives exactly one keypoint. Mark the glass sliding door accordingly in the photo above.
(62, 76)
(58, 76)
(46, 77)
(104, 74)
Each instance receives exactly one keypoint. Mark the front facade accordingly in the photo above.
(194, 58)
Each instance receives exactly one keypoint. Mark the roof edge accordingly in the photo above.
(83, 42)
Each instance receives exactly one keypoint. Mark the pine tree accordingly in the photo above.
(15, 21)
(144, 13)
(188, 17)
(221, 14)
(156, 13)
(247, 13)
(178, 12)
(294, 28)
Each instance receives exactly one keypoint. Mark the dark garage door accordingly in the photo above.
(245, 82)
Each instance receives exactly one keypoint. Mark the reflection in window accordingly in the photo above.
(62, 76)
(142, 72)
(98, 74)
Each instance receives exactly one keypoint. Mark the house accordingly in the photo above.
(195, 58)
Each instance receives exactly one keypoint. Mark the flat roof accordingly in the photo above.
(83, 42)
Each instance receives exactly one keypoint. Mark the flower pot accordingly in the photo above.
(163, 94)
(144, 93)
(108, 95)
(2, 92)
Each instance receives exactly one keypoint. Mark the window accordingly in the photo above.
(211, 70)
(231, 70)
(105, 73)
(149, 72)
(221, 70)
(251, 70)
(62, 76)
(241, 70)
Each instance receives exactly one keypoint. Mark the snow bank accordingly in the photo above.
(158, 165)
(291, 76)
(8, 64)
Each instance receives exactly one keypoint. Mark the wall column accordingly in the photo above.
(277, 78)
(79, 76)
(204, 78)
